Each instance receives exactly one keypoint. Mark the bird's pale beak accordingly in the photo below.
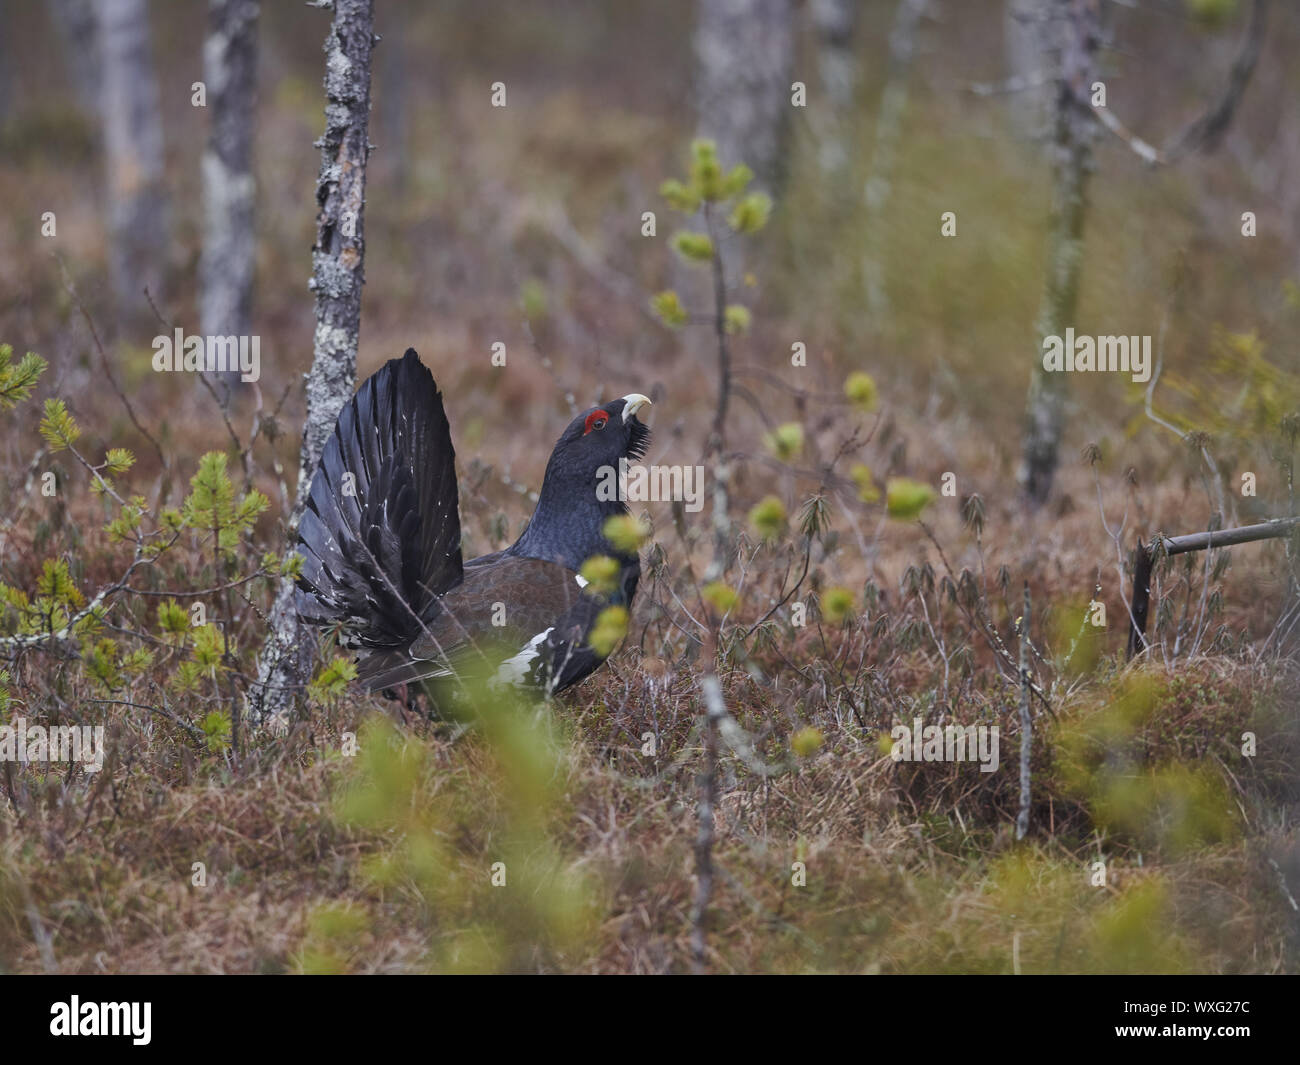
(633, 403)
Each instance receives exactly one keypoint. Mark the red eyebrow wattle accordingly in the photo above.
(592, 418)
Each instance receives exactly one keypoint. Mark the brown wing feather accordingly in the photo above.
(534, 595)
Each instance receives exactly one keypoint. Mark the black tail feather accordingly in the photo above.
(380, 547)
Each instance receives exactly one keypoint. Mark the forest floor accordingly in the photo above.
(1164, 792)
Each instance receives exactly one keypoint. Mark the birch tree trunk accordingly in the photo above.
(834, 22)
(229, 247)
(1025, 48)
(1074, 128)
(744, 51)
(133, 148)
(338, 255)
(337, 276)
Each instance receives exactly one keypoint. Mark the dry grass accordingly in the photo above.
(910, 867)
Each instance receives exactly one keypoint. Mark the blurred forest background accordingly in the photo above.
(524, 224)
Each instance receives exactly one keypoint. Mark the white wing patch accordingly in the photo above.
(582, 581)
(513, 670)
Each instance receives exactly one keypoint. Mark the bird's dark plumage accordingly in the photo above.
(380, 539)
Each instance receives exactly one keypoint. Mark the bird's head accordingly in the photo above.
(581, 487)
(596, 439)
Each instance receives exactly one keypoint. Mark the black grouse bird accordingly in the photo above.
(380, 539)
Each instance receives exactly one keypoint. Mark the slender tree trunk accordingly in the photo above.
(716, 448)
(1074, 128)
(745, 57)
(1025, 35)
(706, 805)
(339, 252)
(834, 22)
(1026, 724)
(229, 248)
(133, 147)
(889, 125)
(744, 53)
(337, 276)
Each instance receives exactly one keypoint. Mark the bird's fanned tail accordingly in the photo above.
(380, 536)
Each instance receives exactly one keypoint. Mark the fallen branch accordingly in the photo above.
(1146, 555)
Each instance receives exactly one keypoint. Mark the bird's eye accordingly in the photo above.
(597, 419)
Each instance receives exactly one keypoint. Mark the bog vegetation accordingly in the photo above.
(854, 585)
